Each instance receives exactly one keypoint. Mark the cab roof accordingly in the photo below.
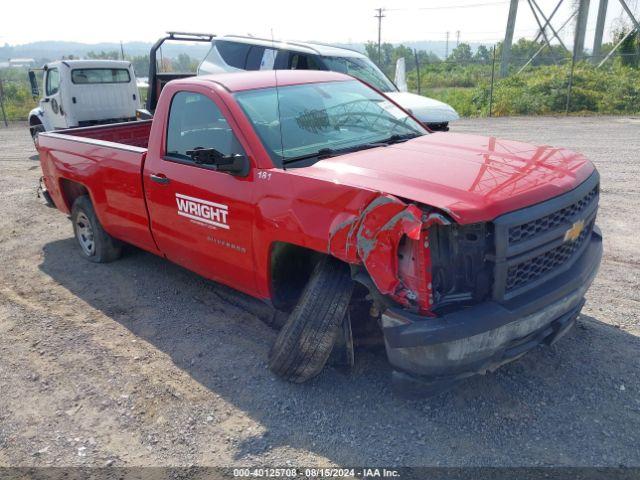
(294, 46)
(91, 63)
(253, 80)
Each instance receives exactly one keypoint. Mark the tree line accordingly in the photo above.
(628, 53)
(182, 63)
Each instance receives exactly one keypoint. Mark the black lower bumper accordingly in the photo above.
(440, 351)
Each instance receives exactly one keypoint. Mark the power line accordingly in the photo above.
(449, 7)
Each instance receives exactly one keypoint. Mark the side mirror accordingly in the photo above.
(235, 164)
(35, 91)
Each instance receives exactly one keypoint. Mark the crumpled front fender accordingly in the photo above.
(374, 238)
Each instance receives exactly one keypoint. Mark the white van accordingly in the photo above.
(233, 53)
(79, 93)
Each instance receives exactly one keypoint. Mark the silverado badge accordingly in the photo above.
(574, 232)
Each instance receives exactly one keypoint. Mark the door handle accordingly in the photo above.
(159, 178)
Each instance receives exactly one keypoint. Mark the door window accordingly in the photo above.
(234, 54)
(301, 61)
(195, 121)
(254, 59)
(260, 58)
(53, 82)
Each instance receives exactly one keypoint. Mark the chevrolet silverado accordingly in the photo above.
(313, 192)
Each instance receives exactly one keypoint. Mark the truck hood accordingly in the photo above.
(472, 178)
(425, 109)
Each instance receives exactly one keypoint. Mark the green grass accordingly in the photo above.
(17, 98)
(537, 91)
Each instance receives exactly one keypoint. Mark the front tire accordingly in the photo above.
(35, 130)
(306, 340)
(96, 245)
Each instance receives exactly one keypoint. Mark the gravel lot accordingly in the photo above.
(141, 362)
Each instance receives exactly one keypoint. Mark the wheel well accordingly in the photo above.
(34, 120)
(71, 190)
(291, 267)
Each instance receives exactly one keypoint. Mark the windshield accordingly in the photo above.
(361, 68)
(322, 119)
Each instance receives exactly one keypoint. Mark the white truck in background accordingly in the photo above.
(79, 93)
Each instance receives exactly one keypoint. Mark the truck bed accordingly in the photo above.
(134, 134)
(106, 162)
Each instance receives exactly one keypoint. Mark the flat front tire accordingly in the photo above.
(96, 245)
(306, 340)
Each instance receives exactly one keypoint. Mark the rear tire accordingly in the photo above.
(96, 245)
(306, 340)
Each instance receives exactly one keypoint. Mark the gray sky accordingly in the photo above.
(326, 20)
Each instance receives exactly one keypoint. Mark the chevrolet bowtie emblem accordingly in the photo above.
(574, 232)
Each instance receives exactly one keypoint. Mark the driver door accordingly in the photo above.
(201, 218)
(51, 103)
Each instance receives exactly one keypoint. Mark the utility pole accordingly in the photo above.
(457, 38)
(508, 38)
(121, 50)
(4, 114)
(581, 28)
(446, 55)
(415, 54)
(380, 16)
(493, 74)
(597, 39)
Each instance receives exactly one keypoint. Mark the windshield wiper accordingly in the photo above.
(397, 138)
(332, 152)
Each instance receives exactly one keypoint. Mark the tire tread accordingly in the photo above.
(306, 340)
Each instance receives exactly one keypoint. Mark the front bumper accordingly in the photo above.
(441, 351)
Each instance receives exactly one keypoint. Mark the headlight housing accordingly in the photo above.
(461, 264)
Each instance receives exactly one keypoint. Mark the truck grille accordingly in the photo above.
(519, 233)
(532, 269)
(530, 244)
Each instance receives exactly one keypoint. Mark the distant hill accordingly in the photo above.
(54, 50)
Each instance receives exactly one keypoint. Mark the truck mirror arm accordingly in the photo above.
(235, 164)
(35, 91)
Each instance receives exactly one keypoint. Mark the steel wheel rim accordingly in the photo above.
(84, 234)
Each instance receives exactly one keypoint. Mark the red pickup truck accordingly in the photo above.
(313, 192)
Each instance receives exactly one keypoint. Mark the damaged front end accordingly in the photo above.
(459, 300)
(417, 257)
(380, 238)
